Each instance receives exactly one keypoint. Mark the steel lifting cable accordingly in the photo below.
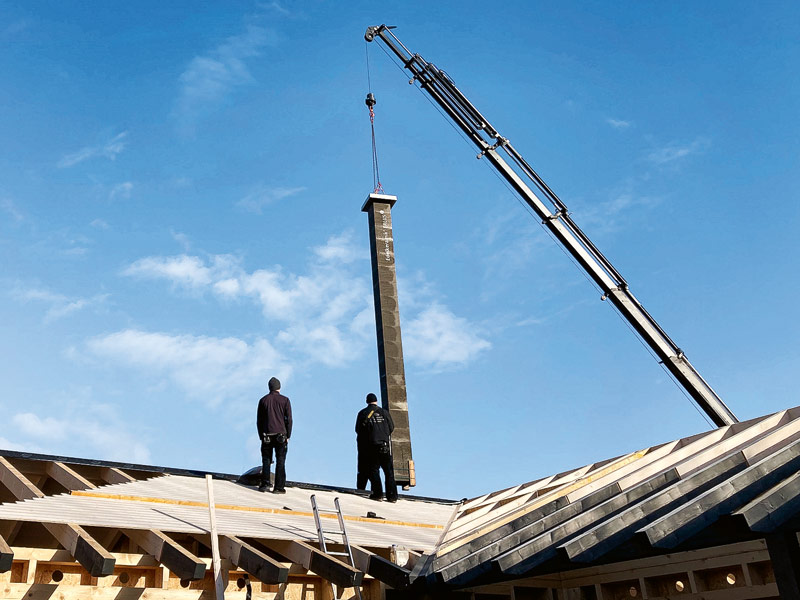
(371, 102)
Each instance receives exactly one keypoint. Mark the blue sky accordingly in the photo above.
(180, 193)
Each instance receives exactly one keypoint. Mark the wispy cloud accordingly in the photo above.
(325, 314)
(676, 151)
(439, 339)
(121, 191)
(99, 224)
(182, 239)
(208, 79)
(14, 28)
(275, 7)
(211, 368)
(9, 207)
(109, 149)
(623, 205)
(618, 123)
(261, 196)
(339, 248)
(76, 425)
(59, 305)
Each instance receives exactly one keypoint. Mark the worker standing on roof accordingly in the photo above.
(374, 428)
(274, 422)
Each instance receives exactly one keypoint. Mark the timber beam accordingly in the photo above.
(692, 517)
(316, 561)
(596, 542)
(113, 475)
(256, 563)
(68, 477)
(82, 546)
(381, 569)
(168, 552)
(784, 553)
(6, 556)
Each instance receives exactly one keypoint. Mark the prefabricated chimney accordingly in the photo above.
(387, 322)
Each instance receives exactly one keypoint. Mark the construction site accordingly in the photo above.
(713, 515)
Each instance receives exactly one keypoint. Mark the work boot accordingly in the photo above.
(263, 487)
(377, 497)
(277, 491)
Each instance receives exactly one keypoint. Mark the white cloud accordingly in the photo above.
(99, 224)
(339, 249)
(184, 270)
(275, 7)
(110, 150)
(211, 368)
(618, 123)
(325, 314)
(182, 239)
(121, 191)
(261, 195)
(438, 338)
(102, 432)
(675, 151)
(59, 304)
(208, 79)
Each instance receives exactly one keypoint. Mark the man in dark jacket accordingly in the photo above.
(374, 428)
(274, 422)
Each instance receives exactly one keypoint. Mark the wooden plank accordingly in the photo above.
(219, 584)
(6, 556)
(67, 477)
(83, 547)
(381, 569)
(770, 510)
(113, 475)
(541, 536)
(256, 563)
(168, 552)
(327, 567)
(693, 516)
(528, 525)
(606, 533)
(19, 485)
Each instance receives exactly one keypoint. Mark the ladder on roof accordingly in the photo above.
(347, 556)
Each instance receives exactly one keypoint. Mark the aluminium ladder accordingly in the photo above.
(341, 532)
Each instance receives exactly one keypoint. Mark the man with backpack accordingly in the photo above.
(374, 428)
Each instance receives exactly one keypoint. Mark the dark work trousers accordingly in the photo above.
(362, 475)
(376, 461)
(280, 463)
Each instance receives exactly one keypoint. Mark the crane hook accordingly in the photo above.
(370, 101)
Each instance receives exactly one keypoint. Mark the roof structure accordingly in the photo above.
(733, 485)
(123, 526)
(713, 515)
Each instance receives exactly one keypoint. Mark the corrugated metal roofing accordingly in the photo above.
(178, 503)
(729, 484)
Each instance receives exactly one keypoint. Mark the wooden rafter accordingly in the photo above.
(113, 475)
(168, 552)
(316, 561)
(380, 568)
(68, 477)
(82, 546)
(6, 556)
(253, 561)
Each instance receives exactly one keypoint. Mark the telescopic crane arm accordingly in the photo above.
(554, 215)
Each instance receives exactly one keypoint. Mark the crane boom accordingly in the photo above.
(555, 216)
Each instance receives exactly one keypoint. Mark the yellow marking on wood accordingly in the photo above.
(548, 497)
(258, 509)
